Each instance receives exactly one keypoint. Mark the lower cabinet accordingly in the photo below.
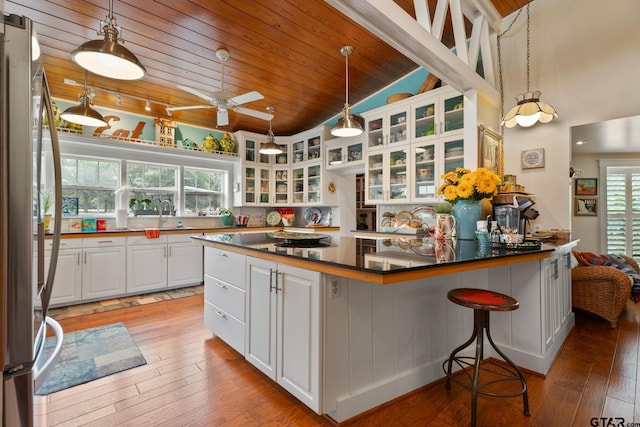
(283, 326)
(67, 286)
(103, 271)
(224, 296)
(167, 261)
(556, 295)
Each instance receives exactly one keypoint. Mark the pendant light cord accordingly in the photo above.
(346, 85)
(501, 80)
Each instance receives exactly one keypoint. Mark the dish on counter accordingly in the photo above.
(403, 217)
(313, 216)
(427, 216)
(273, 218)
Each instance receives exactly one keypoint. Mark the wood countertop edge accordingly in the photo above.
(382, 278)
(125, 233)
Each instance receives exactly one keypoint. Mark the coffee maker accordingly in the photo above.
(512, 212)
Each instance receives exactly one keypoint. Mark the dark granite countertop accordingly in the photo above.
(387, 258)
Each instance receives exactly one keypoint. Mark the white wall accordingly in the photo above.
(585, 58)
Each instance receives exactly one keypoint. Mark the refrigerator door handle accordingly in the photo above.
(57, 172)
(41, 370)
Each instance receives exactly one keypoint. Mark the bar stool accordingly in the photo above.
(483, 301)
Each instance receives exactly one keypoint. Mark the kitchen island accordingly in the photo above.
(350, 323)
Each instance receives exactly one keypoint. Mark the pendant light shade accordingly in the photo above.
(529, 110)
(270, 147)
(349, 124)
(83, 114)
(107, 57)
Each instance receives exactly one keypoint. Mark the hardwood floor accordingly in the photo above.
(194, 379)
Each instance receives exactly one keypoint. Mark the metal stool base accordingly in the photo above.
(506, 373)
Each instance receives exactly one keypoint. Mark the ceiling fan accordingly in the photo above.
(224, 101)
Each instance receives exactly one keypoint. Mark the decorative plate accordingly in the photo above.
(386, 222)
(273, 218)
(313, 216)
(403, 217)
(427, 215)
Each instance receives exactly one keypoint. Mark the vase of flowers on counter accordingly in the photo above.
(465, 190)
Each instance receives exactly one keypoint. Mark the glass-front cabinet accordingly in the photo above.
(314, 183)
(306, 146)
(344, 152)
(424, 171)
(298, 183)
(388, 176)
(257, 185)
(453, 152)
(281, 181)
(438, 116)
(387, 127)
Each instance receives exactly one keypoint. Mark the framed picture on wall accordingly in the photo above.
(585, 206)
(490, 153)
(586, 187)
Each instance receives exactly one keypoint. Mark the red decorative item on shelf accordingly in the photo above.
(287, 215)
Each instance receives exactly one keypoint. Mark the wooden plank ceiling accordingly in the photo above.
(288, 50)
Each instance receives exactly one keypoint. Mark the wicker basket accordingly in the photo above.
(601, 290)
(398, 97)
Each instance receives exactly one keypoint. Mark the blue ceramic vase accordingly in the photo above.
(467, 213)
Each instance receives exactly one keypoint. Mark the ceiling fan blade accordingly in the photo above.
(254, 113)
(244, 98)
(196, 92)
(223, 117)
(189, 107)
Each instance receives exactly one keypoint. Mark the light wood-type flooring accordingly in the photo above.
(194, 379)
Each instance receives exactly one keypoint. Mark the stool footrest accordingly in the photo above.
(506, 373)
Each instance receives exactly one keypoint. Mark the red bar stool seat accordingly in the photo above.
(482, 302)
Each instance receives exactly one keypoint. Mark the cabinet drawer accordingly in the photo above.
(142, 240)
(224, 265)
(225, 326)
(226, 296)
(104, 241)
(64, 244)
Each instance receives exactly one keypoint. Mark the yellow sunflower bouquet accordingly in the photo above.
(463, 184)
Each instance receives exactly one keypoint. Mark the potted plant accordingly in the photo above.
(227, 217)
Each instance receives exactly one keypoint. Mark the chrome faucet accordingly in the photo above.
(160, 205)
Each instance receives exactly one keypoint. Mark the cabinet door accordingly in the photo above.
(397, 189)
(453, 152)
(299, 185)
(282, 190)
(314, 183)
(146, 268)
(424, 171)
(374, 177)
(298, 326)
(67, 286)
(453, 113)
(264, 186)
(184, 264)
(549, 301)
(261, 315)
(250, 187)
(103, 272)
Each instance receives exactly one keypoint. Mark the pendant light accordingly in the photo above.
(349, 124)
(529, 109)
(83, 114)
(106, 57)
(270, 147)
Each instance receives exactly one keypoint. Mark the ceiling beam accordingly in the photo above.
(393, 25)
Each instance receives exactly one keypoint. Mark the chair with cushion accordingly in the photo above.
(602, 284)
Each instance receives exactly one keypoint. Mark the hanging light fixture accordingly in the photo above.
(349, 124)
(529, 109)
(106, 57)
(83, 114)
(147, 105)
(270, 147)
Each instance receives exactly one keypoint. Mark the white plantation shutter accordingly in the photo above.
(622, 192)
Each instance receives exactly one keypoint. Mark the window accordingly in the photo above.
(152, 182)
(203, 189)
(93, 182)
(622, 210)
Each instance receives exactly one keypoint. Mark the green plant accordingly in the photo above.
(444, 208)
(225, 212)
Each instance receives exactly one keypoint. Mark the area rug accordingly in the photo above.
(90, 354)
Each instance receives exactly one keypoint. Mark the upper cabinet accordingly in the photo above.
(307, 146)
(437, 116)
(387, 126)
(344, 154)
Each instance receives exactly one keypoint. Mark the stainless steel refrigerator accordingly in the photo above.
(24, 102)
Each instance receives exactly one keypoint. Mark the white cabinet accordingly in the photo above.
(387, 126)
(224, 296)
(184, 262)
(344, 153)
(104, 267)
(67, 286)
(167, 261)
(388, 174)
(307, 146)
(146, 263)
(556, 295)
(283, 327)
(437, 115)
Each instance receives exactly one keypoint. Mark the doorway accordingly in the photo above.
(365, 214)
